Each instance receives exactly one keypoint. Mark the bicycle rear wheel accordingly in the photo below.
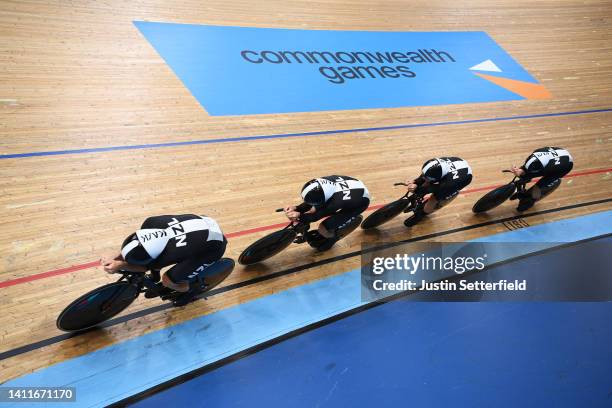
(385, 213)
(97, 306)
(217, 272)
(267, 246)
(494, 198)
(549, 190)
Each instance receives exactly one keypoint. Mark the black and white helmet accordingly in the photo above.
(312, 193)
(133, 252)
(432, 170)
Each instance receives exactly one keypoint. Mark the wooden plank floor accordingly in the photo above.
(79, 75)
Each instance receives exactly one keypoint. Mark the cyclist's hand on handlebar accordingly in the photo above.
(112, 265)
(518, 172)
(292, 215)
(412, 187)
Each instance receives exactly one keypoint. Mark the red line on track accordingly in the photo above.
(48, 274)
(254, 230)
(75, 268)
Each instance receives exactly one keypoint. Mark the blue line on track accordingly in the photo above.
(287, 135)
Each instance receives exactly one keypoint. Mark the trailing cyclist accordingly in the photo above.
(549, 163)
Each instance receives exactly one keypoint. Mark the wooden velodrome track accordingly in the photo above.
(79, 75)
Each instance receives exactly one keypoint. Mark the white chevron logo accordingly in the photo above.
(487, 65)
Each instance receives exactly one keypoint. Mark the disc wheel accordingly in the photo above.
(551, 189)
(267, 246)
(385, 213)
(217, 272)
(97, 306)
(494, 198)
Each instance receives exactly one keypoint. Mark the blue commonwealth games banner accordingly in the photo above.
(245, 70)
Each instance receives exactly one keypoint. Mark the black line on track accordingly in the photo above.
(122, 319)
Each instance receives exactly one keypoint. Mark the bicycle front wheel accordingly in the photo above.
(267, 246)
(494, 198)
(97, 306)
(385, 213)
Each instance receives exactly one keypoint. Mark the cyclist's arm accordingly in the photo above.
(419, 181)
(133, 268)
(531, 169)
(423, 186)
(526, 176)
(302, 208)
(322, 212)
(116, 264)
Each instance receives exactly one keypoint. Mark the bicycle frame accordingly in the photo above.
(520, 185)
(139, 279)
(414, 199)
(298, 226)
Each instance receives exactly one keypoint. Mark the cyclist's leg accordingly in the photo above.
(337, 226)
(521, 191)
(327, 234)
(167, 284)
(442, 196)
(341, 224)
(177, 277)
(546, 184)
(183, 273)
(315, 239)
(188, 276)
(543, 187)
(446, 193)
(160, 289)
(421, 211)
(324, 236)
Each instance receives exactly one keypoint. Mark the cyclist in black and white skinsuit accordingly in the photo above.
(189, 242)
(443, 177)
(550, 163)
(342, 198)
